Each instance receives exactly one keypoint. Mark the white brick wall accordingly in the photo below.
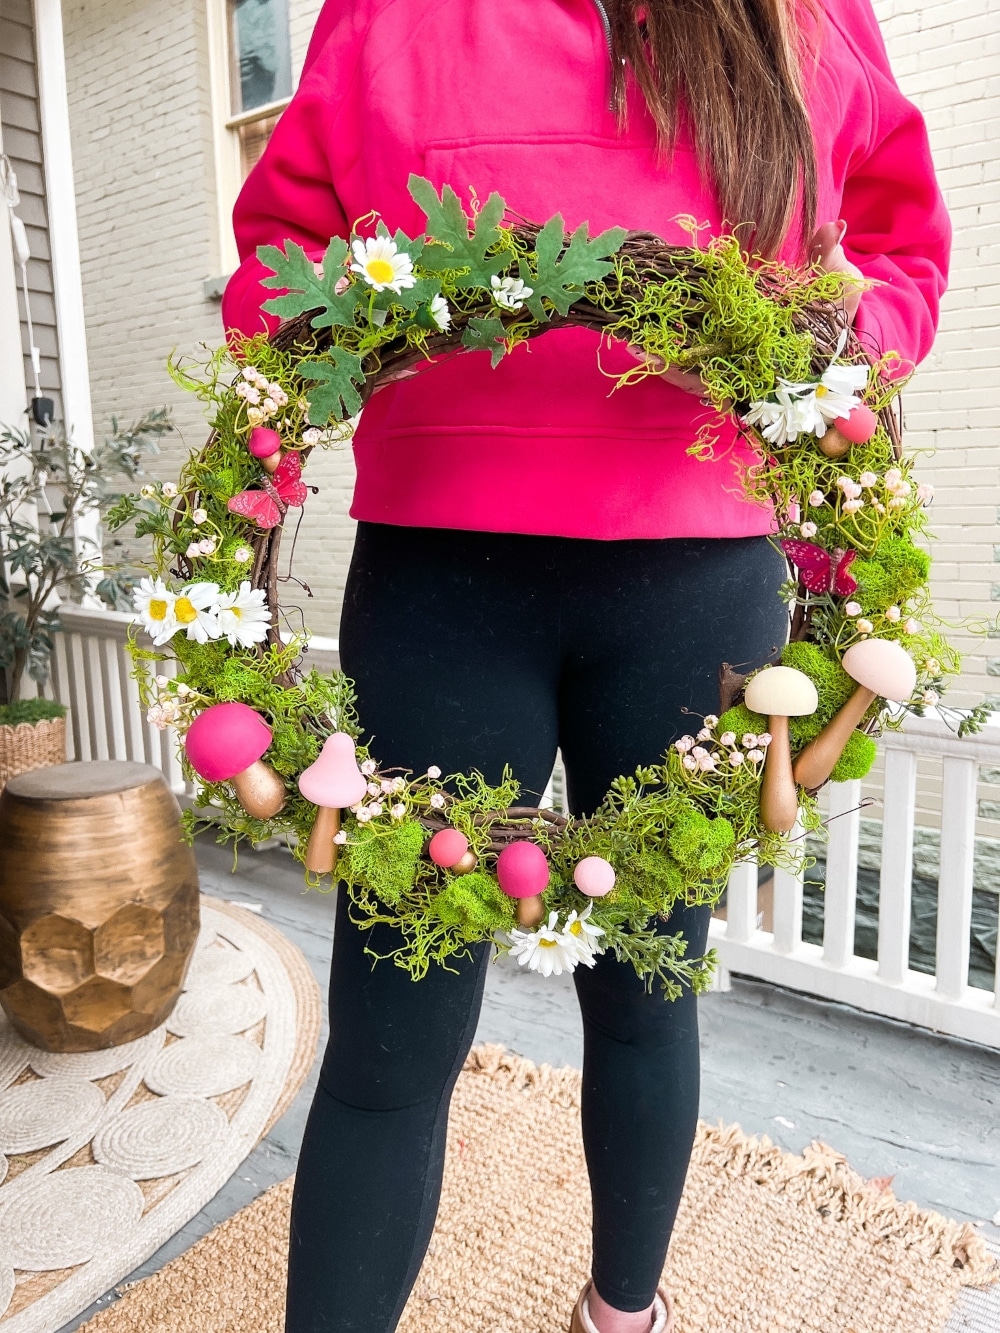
(946, 55)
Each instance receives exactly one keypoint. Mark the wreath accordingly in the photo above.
(452, 860)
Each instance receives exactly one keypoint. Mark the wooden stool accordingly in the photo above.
(98, 904)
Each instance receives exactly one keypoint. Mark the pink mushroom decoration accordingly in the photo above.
(224, 744)
(594, 876)
(332, 782)
(265, 444)
(856, 428)
(859, 425)
(450, 849)
(523, 872)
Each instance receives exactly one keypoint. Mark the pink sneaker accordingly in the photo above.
(663, 1313)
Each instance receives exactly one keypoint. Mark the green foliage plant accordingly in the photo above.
(30, 711)
(46, 486)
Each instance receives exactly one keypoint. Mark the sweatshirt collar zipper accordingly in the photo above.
(606, 25)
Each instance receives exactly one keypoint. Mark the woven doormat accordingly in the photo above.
(766, 1242)
(105, 1155)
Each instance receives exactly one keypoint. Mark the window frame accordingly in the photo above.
(226, 129)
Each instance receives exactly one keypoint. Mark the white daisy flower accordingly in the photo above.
(382, 264)
(780, 419)
(440, 313)
(195, 610)
(154, 603)
(511, 293)
(836, 393)
(243, 615)
(581, 932)
(545, 950)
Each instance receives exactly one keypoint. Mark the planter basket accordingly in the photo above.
(31, 745)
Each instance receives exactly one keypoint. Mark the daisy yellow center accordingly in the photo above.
(576, 928)
(380, 270)
(157, 609)
(547, 944)
(185, 610)
(821, 390)
(235, 611)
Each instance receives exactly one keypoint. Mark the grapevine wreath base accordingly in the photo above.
(451, 860)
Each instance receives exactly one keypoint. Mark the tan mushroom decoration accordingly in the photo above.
(780, 692)
(883, 670)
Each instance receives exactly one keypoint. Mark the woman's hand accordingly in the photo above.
(827, 252)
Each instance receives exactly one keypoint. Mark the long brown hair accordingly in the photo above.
(731, 70)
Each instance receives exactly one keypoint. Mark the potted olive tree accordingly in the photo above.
(47, 484)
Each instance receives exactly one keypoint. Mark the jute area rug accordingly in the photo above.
(766, 1242)
(103, 1156)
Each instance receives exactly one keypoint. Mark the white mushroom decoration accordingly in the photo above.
(883, 670)
(779, 693)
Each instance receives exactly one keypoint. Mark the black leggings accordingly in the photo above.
(476, 650)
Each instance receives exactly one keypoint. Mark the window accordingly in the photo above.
(250, 58)
(260, 72)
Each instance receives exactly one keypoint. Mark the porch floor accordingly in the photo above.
(895, 1100)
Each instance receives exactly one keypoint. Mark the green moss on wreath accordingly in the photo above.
(857, 758)
(894, 572)
(473, 904)
(703, 845)
(384, 858)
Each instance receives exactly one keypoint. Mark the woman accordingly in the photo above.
(540, 562)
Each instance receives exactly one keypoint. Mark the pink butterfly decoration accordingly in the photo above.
(821, 570)
(267, 507)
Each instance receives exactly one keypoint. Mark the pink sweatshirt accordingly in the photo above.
(514, 97)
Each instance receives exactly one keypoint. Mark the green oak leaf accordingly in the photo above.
(486, 335)
(306, 289)
(409, 298)
(562, 269)
(335, 395)
(448, 225)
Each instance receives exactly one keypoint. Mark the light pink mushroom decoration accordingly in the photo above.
(523, 872)
(883, 669)
(224, 744)
(332, 782)
(450, 849)
(856, 428)
(265, 444)
(594, 876)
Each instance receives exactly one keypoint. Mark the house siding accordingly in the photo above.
(22, 142)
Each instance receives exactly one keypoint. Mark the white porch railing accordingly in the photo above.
(887, 985)
(92, 674)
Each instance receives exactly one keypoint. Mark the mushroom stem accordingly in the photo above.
(779, 801)
(833, 444)
(530, 912)
(817, 761)
(465, 864)
(260, 790)
(321, 850)
(273, 461)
